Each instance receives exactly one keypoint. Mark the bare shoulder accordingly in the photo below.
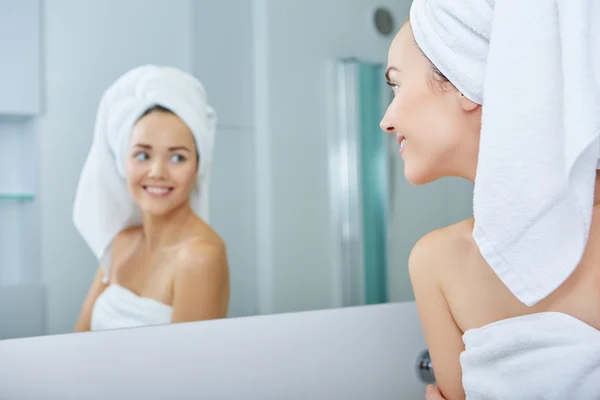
(445, 248)
(201, 255)
(431, 258)
(447, 262)
(451, 258)
(201, 277)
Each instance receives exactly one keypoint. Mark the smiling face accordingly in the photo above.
(162, 163)
(437, 127)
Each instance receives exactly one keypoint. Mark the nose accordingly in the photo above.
(386, 123)
(157, 169)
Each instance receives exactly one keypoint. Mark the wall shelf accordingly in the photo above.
(19, 231)
(17, 196)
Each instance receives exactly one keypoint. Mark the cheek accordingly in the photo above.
(412, 122)
(424, 121)
(185, 175)
(134, 171)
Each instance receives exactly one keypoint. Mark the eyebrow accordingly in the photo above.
(387, 72)
(174, 148)
(179, 148)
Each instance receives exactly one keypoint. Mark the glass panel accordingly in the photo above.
(359, 178)
(373, 176)
(345, 190)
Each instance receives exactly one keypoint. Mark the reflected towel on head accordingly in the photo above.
(534, 66)
(103, 204)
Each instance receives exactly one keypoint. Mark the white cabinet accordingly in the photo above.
(20, 57)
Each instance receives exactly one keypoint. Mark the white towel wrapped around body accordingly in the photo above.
(534, 66)
(103, 204)
(550, 356)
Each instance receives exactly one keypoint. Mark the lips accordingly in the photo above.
(401, 142)
(158, 191)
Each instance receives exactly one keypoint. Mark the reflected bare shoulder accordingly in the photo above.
(202, 252)
(201, 280)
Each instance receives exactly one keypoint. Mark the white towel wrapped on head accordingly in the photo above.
(534, 65)
(103, 204)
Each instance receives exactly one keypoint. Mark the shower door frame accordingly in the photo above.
(345, 184)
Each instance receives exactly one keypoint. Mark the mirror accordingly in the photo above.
(306, 191)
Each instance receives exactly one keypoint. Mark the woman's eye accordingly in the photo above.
(393, 86)
(177, 158)
(141, 156)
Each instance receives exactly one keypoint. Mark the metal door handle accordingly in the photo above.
(425, 368)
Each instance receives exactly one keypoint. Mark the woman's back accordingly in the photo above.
(461, 302)
(477, 297)
(511, 350)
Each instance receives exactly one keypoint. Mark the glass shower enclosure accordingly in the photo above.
(361, 176)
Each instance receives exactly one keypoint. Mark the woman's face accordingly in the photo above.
(162, 165)
(437, 127)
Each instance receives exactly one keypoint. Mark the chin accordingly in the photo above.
(155, 208)
(418, 178)
(155, 211)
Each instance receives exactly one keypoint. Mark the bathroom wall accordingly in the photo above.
(21, 292)
(223, 59)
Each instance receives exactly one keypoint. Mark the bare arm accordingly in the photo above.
(85, 317)
(433, 393)
(201, 284)
(443, 336)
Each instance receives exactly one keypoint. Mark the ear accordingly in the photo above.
(466, 104)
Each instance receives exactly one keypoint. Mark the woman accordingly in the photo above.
(140, 206)
(460, 298)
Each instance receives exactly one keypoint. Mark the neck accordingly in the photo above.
(467, 172)
(164, 230)
(466, 169)
(597, 189)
